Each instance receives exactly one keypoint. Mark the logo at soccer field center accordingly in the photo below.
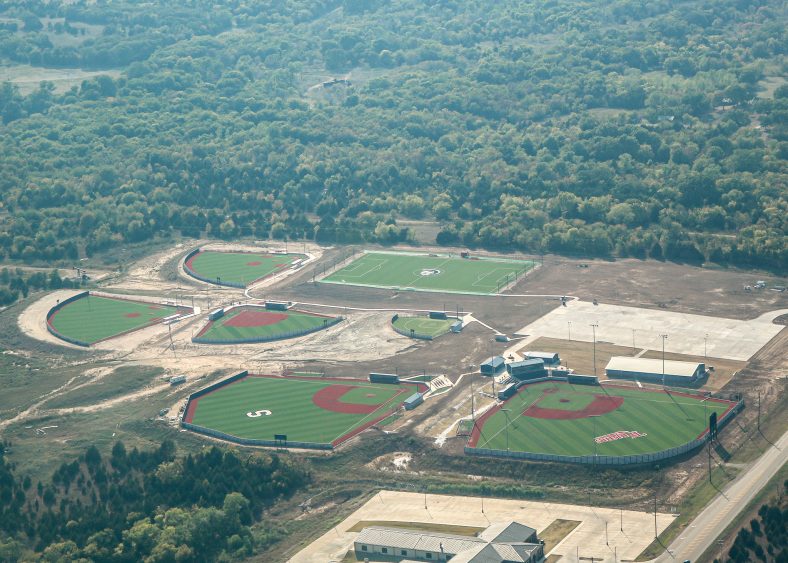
(619, 435)
(255, 414)
(430, 272)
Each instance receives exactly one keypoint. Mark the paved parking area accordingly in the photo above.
(731, 339)
(587, 540)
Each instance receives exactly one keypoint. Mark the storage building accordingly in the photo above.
(493, 366)
(681, 374)
(549, 358)
(527, 369)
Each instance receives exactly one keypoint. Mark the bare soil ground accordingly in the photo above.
(664, 285)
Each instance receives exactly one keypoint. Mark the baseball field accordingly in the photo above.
(249, 324)
(575, 420)
(237, 268)
(423, 325)
(304, 408)
(430, 272)
(93, 318)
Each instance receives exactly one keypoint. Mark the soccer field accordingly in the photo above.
(398, 270)
(305, 409)
(93, 318)
(576, 420)
(237, 268)
(256, 323)
(423, 325)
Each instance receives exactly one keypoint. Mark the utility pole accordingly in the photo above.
(708, 448)
(656, 535)
(759, 411)
(607, 541)
(705, 340)
(622, 519)
(593, 329)
(634, 350)
(569, 328)
(663, 337)
(506, 413)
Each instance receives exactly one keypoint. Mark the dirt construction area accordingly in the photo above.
(628, 532)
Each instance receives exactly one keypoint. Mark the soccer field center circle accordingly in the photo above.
(245, 324)
(86, 318)
(561, 419)
(238, 268)
(312, 411)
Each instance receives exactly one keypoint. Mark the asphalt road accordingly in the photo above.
(710, 523)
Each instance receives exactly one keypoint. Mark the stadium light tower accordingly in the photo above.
(506, 413)
(569, 328)
(705, 340)
(664, 337)
(594, 326)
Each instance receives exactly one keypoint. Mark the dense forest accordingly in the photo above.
(145, 506)
(766, 537)
(644, 128)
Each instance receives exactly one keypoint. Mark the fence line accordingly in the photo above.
(257, 339)
(55, 309)
(214, 281)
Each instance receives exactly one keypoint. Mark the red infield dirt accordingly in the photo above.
(256, 318)
(132, 315)
(602, 404)
(328, 399)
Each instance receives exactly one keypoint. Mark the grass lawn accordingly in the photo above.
(239, 267)
(94, 318)
(248, 323)
(430, 272)
(664, 421)
(424, 325)
(294, 412)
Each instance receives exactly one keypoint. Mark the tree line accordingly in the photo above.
(622, 128)
(145, 506)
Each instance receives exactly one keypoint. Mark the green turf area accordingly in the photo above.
(293, 411)
(667, 420)
(430, 272)
(239, 267)
(95, 318)
(423, 325)
(295, 322)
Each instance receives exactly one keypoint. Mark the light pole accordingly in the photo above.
(569, 328)
(594, 417)
(663, 337)
(705, 340)
(594, 326)
(634, 350)
(506, 414)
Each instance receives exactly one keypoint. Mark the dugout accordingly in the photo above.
(215, 314)
(549, 358)
(388, 378)
(577, 379)
(676, 373)
(413, 401)
(277, 306)
(440, 315)
(456, 326)
(507, 392)
(492, 366)
(527, 369)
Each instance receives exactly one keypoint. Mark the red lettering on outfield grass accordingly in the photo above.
(132, 315)
(602, 404)
(254, 263)
(328, 398)
(255, 318)
(619, 435)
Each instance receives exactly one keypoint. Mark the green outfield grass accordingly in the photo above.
(294, 412)
(424, 325)
(430, 272)
(238, 267)
(94, 318)
(245, 323)
(666, 420)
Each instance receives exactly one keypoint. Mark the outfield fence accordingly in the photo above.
(637, 459)
(55, 309)
(251, 442)
(414, 334)
(272, 337)
(215, 281)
